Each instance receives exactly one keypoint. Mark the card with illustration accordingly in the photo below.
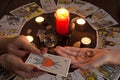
(108, 43)
(78, 75)
(102, 23)
(20, 12)
(109, 72)
(88, 74)
(86, 10)
(76, 4)
(50, 63)
(12, 21)
(9, 31)
(48, 5)
(44, 77)
(109, 32)
(99, 14)
(28, 11)
(80, 3)
(70, 76)
(63, 3)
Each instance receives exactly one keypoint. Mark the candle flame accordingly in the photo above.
(30, 38)
(62, 13)
(80, 21)
(86, 40)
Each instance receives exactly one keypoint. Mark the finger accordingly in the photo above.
(31, 48)
(91, 62)
(70, 51)
(83, 66)
(67, 51)
(73, 48)
(44, 50)
(60, 52)
(19, 53)
(30, 74)
(73, 59)
(80, 59)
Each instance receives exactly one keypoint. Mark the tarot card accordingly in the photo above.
(78, 75)
(44, 77)
(108, 43)
(63, 3)
(50, 63)
(48, 5)
(12, 21)
(76, 4)
(20, 78)
(86, 10)
(73, 75)
(99, 14)
(9, 31)
(58, 77)
(109, 32)
(21, 12)
(110, 72)
(90, 75)
(34, 9)
(69, 77)
(102, 23)
(28, 11)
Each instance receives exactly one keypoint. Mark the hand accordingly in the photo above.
(19, 46)
(84, 57)
(14, 64)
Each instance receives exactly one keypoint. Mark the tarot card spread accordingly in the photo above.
(50, 63)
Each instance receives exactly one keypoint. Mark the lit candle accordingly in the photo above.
(30, 38)
(86, 40)
(80, 21)
(62, 21)
(39, 19)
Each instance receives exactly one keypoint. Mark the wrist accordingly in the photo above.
(114, 56)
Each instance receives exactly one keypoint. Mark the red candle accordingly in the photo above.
(62, 21)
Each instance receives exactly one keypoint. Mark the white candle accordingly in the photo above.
(39, 19)
(30, 38)
(80, 21)
(86, 40)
